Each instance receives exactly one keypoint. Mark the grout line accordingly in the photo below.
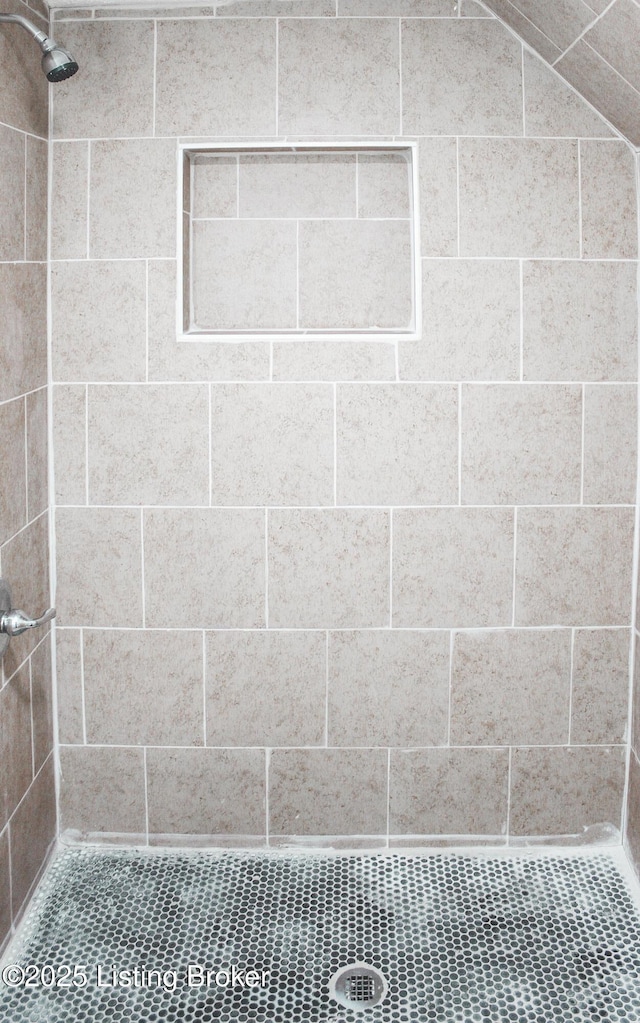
(571, 648)
(515, 559)
(583, 395)
(582, 34)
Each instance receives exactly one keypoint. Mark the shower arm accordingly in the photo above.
(44, 41)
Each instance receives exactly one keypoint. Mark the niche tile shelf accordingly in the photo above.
(298, 241)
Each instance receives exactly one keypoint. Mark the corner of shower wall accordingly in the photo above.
(27, 784)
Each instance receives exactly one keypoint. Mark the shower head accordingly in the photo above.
(57, 63)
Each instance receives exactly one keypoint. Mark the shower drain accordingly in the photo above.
(358, 986)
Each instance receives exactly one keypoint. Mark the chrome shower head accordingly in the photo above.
(57, 63)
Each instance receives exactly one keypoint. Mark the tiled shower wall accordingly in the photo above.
(27, 797)
(312, 588)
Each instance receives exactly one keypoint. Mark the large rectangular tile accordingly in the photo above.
(610, 444)
(41, 703)
(569, 307)
(217, 559)
(573, 566)
(328, 569)
(98, 314)
(12, 211)
(521, 444)
(244, 275)
(265, 688)
(102, 791)
(115, 95)
(165, 434)
(69, 198)
(388, 688)
(438, 170)
(13, 493)
(460, 77)
(563, 790)
(355, 275)
(23, 300)
(397, 444)
(334, 360)
(16, 764)
(133, 198)
(609, 199)
(448, 792)
(206, 792)
(384, 185)
(36, 199)
(338, 77)
(37, 453)
(70, 443)
(510, 687)
(519, 197)
(143, 687)
(69, 690)
(33, 830)
(216, 78)
(328, 792)
(301, 185)
(600, 686)
(109, 540)
(452, 567)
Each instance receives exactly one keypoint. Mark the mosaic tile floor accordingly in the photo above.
(255, 938)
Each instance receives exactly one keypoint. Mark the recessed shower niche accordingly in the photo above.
(299, 241)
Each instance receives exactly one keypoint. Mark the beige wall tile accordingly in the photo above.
(69, 685)
(102, 790)
(23, 102)
(98, 312)
(397, 444)
(164, 431)
(281, 8)
(69, 184)
(244, 275)
(13, 493)
(265, 688)
(36, 199)
(601, 85)
(143, 687)
(217, 560)
(298, 185)
(384, 181)
(452, 567)
(328, 792)
(12, 210)
(16, 766)
(388, 688)
(133, 198)
(460, 78)
(519, 197)
(215, 186)
(69, 442)
(272, 444)
(355, 275)
(470, 322)
(438, 182)
(37, 444)
(99, 566)
(33, 830)
(510, 687)
(5, 888)
(206, 791)
(510, 14)
(552, 108)
(608, 200)
(395, 8)
(568, 311)
(110, 102)
(610, 444)
(562, 790)
(172, 360)
(448, 792)
(521, 444)
(328, 569)
(353, 65)
(23, 338)
(600, 688)
(41, 703)
(573, 566)
(334, 360)
(632, 830)
(25, 565)
(231, 70)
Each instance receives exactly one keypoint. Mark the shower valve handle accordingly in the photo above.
(15, 622)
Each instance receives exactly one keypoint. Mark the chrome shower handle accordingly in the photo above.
(15, 622)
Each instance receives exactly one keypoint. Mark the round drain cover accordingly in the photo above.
(358, 986)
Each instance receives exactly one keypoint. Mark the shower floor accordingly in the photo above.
(126, 935)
